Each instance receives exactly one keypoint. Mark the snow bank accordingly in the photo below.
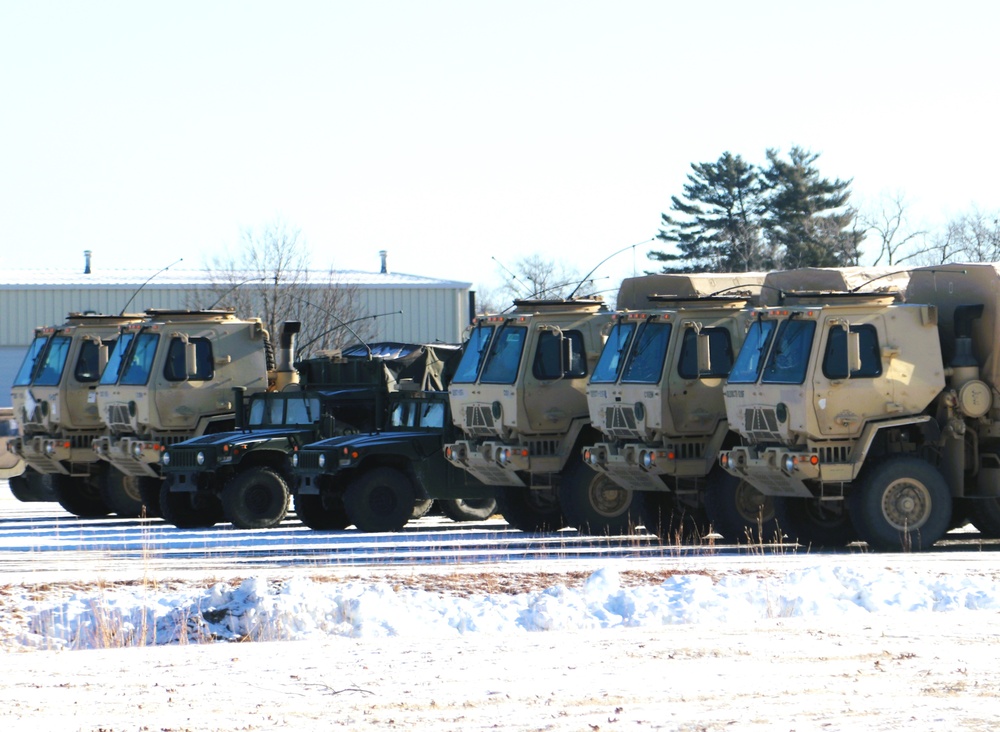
(302, 609)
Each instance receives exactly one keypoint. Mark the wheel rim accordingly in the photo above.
(130, 487)
(753, 505)
(258, 500)
(906, 504)
(608, 498)
(382, 500)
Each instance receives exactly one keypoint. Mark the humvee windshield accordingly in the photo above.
(504, 356)
(412, 413)
(472, 358)
(613, 356)
(53, 363)
(23, 377)
(116, 359)
(273, 410)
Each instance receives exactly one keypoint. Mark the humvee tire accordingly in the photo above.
(255, 499)
(380, 499)
(322, 512)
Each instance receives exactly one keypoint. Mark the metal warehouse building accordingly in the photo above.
(432, 310)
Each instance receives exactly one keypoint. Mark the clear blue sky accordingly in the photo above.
(451, 132)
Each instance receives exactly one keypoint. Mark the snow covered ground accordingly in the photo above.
(799, 641)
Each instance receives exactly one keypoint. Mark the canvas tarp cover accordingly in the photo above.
(429, 366)
(831, 279)
(635, 291)
(950, 285)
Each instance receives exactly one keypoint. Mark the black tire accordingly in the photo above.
(257, 498)
(737, 510)
(468, 509)
(149, 490)
(79, 496)
(674, 522)
(984, 513)
(901, 504)
(421, 507)
(380, 500)
(31, 487)
(324, 512)
(530, 509)
(596, 505)
(121, 493)
(815, 523)
(187, 510)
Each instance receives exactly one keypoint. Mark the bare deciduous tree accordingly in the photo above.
(269, 277)
(887, 220)
(528, 278)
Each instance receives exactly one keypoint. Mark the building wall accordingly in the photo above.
(431, 313)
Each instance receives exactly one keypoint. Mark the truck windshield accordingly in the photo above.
(116, 358)
(609, 365)
(645, 363)
(472, 358)
(140, 365)
(789, 358)
(53, 362)
(23, 377)
(504, 356)
(751, 357)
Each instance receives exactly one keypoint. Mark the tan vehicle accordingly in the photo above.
(656, 398)
(11, 464)
(54, 403)
(518, 396)
(172, 379)
(875, 413)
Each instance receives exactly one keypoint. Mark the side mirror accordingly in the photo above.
(190, 360)
(102, 357)
(853, 352)
(704, 347)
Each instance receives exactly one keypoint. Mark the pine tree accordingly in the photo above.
(717, 223)
(809, 220)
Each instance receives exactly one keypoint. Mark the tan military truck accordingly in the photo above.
(655, 395)
(518, 398)
(172, 378)
(11, 464)
(54, 403)
(876, 411)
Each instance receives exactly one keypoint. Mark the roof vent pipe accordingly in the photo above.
(383, 254)
(86, 260)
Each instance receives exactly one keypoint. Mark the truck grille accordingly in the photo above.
(479, 420)
(183, 459)
(619, 421)
(761, 424)
(309, 460)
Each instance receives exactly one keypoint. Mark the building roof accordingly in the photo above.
(39, 278)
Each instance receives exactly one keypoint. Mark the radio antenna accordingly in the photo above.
(146, 283)
(615, 254)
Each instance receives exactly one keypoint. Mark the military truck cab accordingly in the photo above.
(518, 396)
(54, 403)
(656, 397)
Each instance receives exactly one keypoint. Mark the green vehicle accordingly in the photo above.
(373, 480)
(244, 475)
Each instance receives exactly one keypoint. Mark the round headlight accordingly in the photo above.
(503, 456)
(295, 460)
(50, 449)
(647, 460)
(166, 458)
(322, 460)
(137, 449)
(789, 463)
(200, 458)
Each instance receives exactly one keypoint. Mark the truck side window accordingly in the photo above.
(173, 369)
(835, 357)
(547, 364)
(88, 363)
(720, 346)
